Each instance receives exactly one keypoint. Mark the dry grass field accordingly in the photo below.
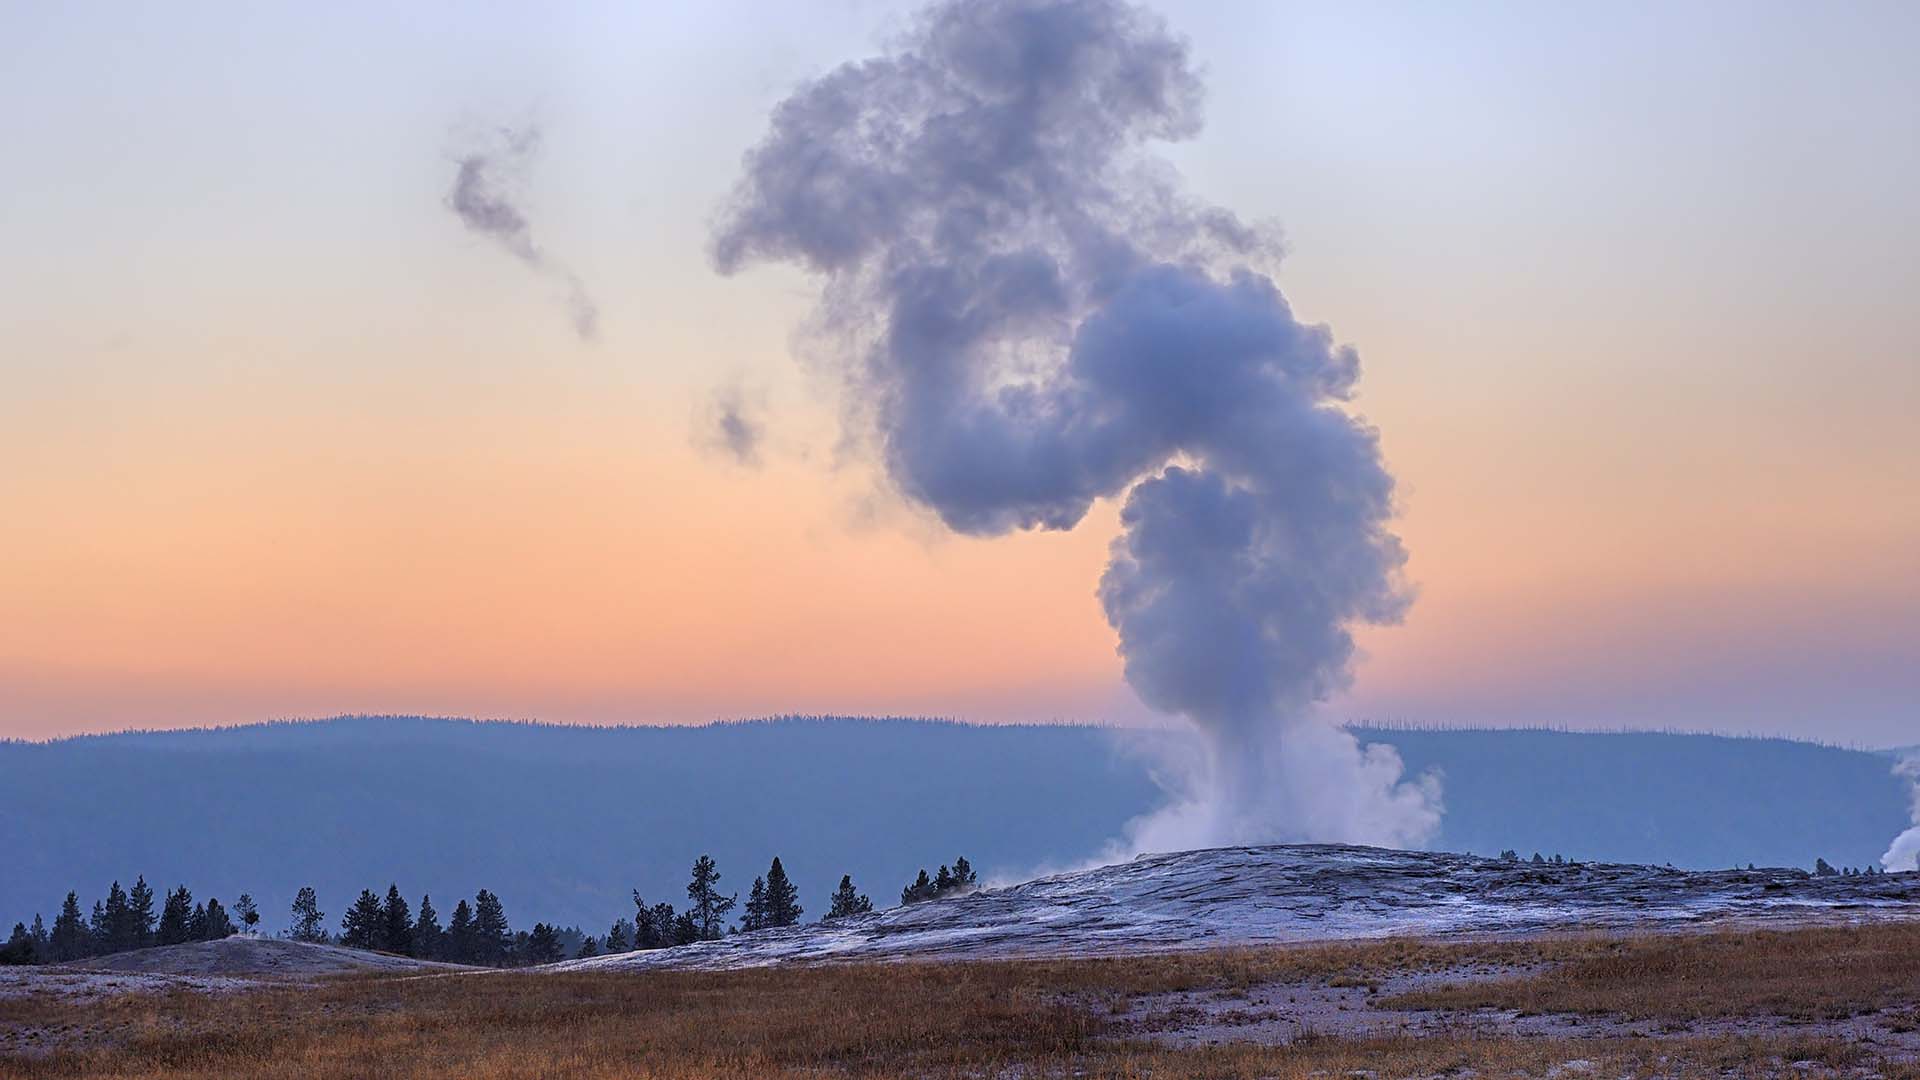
(1794, 992)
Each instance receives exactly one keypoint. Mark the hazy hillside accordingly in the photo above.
(564, 822)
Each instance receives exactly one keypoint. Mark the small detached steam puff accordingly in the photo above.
(732, 426)
(1905, 852)
(485, 197)
(1032, 316)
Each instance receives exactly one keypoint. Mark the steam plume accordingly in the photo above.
(1033, 316)
(485, 196)
(1905, 852)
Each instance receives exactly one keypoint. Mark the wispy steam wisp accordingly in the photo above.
(1905, 852)
(1033, 316)
(732, 426)
(484, 196)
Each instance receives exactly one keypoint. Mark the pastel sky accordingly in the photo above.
(1633, 286)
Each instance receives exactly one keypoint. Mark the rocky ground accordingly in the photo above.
(1285, 1011)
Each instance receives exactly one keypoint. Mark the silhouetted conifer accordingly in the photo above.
(686, 928)
(492, 936)
(756, 913)
(19, 947)
(215, 924)
(428, 938)
(619, 937)
(68, 939)
(543, 945)
(308, 924)
(396, 923)
(176, 915)
(709, 908)
(248, 911)
(783, 900)
(846, 901)
(140, 917)
(921, 889)
(460, 942)
(360, 926)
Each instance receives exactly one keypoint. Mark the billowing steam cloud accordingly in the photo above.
(1905, 852)
(485, 194)
(1034, 316)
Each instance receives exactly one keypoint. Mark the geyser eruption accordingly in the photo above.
(1031, 315)
(1905, 852)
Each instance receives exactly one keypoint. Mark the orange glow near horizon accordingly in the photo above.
(279, 437)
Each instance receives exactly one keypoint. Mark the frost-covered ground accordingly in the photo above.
(1273, 895)
(260, 957)
(77, 985)
(212, 967)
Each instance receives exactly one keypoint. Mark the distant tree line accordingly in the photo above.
(125, 919)
(1821, 867)
(475, 933)
(950, 880)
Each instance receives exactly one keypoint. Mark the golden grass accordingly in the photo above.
(988, 1020)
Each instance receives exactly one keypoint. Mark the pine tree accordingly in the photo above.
(460, 944)
(588, 947)
(619, 938)
(543, 945)
(650, 931)
(921, 889)
(396, 923)
(98, 936)
(686, 928)
(846, 901)
(963, 876)
(115, 926)
(175, 916)
(217, 925)
(41, 939)
(19, 947)
(943, 882)
(427, 935)
(307, 916)
(652, 926)
(783, 900)
(492, 936)
(709, 907)
(197, 923)
(249, 913)
(140, 917)
(360, 926)
(68, 939)
(756, 917)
